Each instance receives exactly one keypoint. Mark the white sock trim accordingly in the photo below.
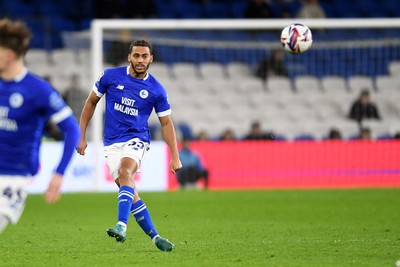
(154, 239)
(122, 224)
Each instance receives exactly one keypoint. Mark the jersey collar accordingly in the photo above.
(22, 75)
(127, 73)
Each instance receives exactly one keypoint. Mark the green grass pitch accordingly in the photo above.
(235, 228)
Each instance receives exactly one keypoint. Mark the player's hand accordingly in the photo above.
(175, 165)
(52, 193)
(81, 146)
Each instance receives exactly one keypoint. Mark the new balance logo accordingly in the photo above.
(120, 87)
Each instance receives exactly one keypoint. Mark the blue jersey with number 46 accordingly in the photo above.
(129, 104)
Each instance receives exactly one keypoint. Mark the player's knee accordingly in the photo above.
(125, 173)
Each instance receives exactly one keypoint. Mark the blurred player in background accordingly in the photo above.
(193, 168)
(131, 95)
(27, 103)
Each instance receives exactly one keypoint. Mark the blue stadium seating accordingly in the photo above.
(66, 17)
(47, 20)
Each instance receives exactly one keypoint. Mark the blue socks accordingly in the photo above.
(125, 200)
(142, 216)
(138, 209)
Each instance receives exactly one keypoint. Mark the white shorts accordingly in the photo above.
(134, 149)
(13, 196)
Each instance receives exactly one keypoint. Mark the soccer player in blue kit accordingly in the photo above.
(27, 102)
(131, 95)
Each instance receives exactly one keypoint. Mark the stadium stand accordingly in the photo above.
(303, 106)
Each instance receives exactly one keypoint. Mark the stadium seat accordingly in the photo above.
(261, 99)
(37, 57)
(224, 85)
(217, 10)
(346, 9)
(334, 85)
(64, 56)
(393, 8)
(388, 106)
(387, 84)
(301, 113)
(328, 110)
(185, 71)
(279, 85)
(359, 83)
(230, 101)
(212, 70)
(248, 86)
(161, 71)
(196, 87)
(307, 85)
(238, 70)
(394, 68)
(187, 10)
(238, 9)
(49, 8)
(17, 8)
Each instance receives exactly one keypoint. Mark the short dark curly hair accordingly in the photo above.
(141, 43)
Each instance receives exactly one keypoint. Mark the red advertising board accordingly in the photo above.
(277, 165)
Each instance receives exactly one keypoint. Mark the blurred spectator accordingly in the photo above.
(202, 136)
(117, 50)
(192, 168)
(256, 133)
(365, 134)
(311, 9)
(74, 96)
(272, 65)
(228, 135)
(258, 9)
(396, 135)
(334, 134)
(363, 108)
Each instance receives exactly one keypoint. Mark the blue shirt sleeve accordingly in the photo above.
(71, 131)
(102, 83)
(162, 104)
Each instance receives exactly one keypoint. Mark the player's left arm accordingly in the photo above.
(169, 135)
(71, 131)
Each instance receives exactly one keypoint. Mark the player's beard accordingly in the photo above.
(139, 72)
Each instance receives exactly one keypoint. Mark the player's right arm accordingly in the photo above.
(86, 116)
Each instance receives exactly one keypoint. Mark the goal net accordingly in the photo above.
(211, 71)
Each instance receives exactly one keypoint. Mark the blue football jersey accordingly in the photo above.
(129, 104)
(26, 104)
